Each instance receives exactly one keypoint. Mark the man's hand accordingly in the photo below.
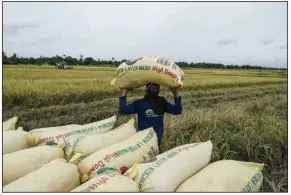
(124, 91)
(175, 91)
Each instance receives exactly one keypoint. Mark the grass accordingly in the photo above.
(21, 85)
(243, 112)
(249, 130)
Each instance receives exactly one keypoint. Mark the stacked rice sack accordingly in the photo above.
(78, 149)
(58, 138)
(33, 165)
(54, 176)
(10, 124)
(225, 176)
(186, 169)
(14, 141)
(109, 181)
(54, 129)
(44, 162)
(139, 147)
(18, 164)
(166, 171)
(137, 73)
(97, 157)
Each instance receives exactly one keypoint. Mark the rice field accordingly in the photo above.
(243, 112)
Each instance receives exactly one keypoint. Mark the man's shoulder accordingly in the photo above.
(142, 100)
(137, 101)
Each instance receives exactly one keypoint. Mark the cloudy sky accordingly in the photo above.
(221, 32)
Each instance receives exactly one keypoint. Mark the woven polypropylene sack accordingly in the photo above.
(54, 129)
(10, 124)
(78, 149)
(14, 141)
(140, 147)
(139, 72)
(55, 176)
(22, 162)
(167, 171)
(225, 176)
(110, 181)
(58, 138)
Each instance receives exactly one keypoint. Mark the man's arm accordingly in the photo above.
(123, 108)
(177, 107)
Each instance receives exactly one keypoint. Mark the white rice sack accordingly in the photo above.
(55, 129)
(140, 147)
(14, 141)
(56, 176)
(139, 72)
(10, 124)
(225, 176)
(22, 162)
(78, 149)
(57, 138)
(165, 172)
(110, 181)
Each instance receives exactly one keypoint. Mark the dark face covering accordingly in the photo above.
(153, 92)
(157, 103)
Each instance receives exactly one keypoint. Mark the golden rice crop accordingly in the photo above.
(243, 112)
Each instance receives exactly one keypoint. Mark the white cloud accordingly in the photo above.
(226, 32)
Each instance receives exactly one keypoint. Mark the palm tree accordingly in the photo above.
(15, 56)
(81, 59)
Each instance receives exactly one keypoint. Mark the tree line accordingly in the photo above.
(89, 61)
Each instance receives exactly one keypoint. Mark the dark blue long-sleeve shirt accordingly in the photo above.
(146, 116)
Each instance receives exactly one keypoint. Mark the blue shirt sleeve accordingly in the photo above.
(127, 109)
(176, 108)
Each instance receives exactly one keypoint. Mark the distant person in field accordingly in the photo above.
(151, 108)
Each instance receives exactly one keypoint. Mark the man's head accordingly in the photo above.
(153, 90)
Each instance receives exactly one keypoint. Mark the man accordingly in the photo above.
(151, 108)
